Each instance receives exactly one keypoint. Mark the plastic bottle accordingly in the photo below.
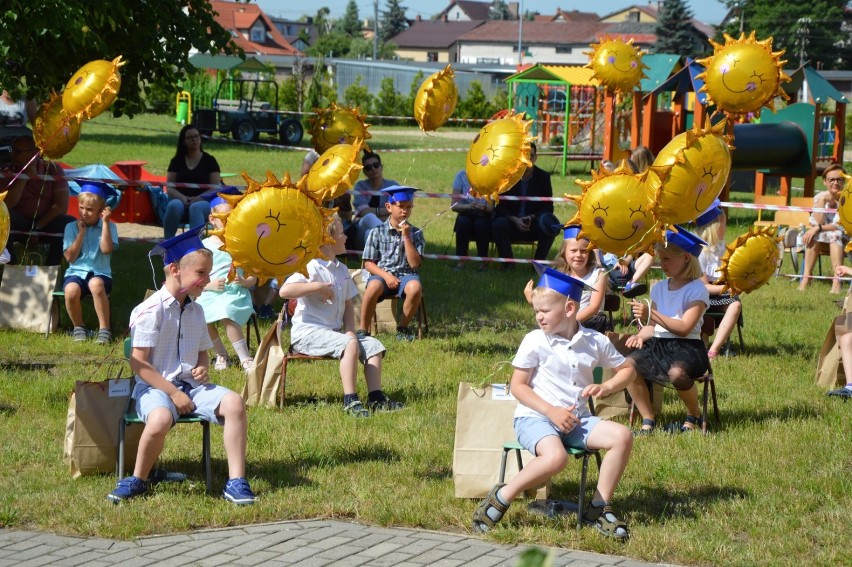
(799, 242)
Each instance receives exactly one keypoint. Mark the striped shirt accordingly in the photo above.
(385, 247)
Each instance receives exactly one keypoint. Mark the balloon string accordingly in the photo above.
(27, 255)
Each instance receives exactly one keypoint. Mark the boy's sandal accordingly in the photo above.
(648, 426)
(482, 522)
(605, 521)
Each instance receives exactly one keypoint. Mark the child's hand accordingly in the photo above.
(594, 390)
(200, 374)
(842, 271)
(405, 228)
(182, 402)
(216, 285)
(391, 281)
(640, 310)
(106, 214)
(326, 293)
(563, 418)
(81, 226)
(634, 341)
(528, 291)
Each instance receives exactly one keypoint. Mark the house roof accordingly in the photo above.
(819, 89)
(434, 33)
(238, 17)
(226, 62)
(474, 10)
(536, 32)
(568, 16)
(651, 11)
(660, 68)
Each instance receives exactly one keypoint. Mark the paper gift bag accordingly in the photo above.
(385, 310)
(26, 296)
(263, 381)
(484, 421)
(91, 428)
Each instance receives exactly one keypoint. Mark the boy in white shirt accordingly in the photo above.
(552, 381)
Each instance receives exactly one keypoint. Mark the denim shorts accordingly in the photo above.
(84, 283)
(400, 291)
(530, 430)
(206, 398)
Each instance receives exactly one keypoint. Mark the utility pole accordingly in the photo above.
(741, 5)
(375, 30)
(520, 33)
(803, 35)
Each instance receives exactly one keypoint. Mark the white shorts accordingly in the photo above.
(325, 342)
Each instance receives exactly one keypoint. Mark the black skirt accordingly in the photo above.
(597, 322)
(657, 355)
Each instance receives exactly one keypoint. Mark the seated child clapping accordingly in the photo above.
(552, 380)
(324, 325)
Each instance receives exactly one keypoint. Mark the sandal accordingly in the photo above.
(646, 422)
(675, 427)
(482, 522)
(605, 521)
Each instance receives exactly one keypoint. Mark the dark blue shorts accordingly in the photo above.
(84, 284)
(400, 291)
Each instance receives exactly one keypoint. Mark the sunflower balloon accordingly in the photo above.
(92, 89)
(615, 211)
(699, 162)
(499, 156)
(844, 208)
(337, 125)
(743, 75)
(335, 172)
(616, 64)
(274, 229)
(55, 132)
(750, 261)
(5, 221)
(436, 100)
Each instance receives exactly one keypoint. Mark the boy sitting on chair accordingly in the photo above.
(88, 244)
(170, 361)
(324, 325)
(392, 254)
(552, 380)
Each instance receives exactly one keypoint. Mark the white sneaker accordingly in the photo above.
(248, 365)
(221, 362)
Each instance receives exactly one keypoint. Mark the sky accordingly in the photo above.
(707, 11)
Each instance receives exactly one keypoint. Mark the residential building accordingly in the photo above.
(433, 40)
(251, 29)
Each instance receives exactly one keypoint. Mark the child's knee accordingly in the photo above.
(413, 289)
(232, 406)
(73, 291)
(159, 422)
(680, 379)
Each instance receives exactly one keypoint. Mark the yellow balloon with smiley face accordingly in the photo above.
(743, 75)
(616, 64)
(615, 212)
(274, 229)
(92, 89)
(337, 125)
(699, 163)
(334, 172)
(5, 221)
(436, 100)
(844, 207)
(55, 132)
(499, 156)
(750, 261)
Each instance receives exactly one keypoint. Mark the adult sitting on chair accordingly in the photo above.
(526, 220)
(190, 164)
(825, 228)
(473, 221)
(36, 205)
(369, 210)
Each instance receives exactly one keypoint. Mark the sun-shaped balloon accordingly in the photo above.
(334, 172)
(751, 260)
(92, 89)
(743, 75)
(499, 156)
(844, 207)
(614, 211)
(274, 229)
(436, 100)
(337, 125)
(616, 64)
(55, 131)
(699, 162)
(5, 221)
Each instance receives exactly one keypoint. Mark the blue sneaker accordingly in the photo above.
(634, 289)
(237, 490)
(127, 488)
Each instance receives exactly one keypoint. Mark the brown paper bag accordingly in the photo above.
(91, 428)
(26, 297)
(385, 310)
(263, 381)
(484, 421)
(616, 405)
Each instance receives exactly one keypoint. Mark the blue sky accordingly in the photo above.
(707, 11)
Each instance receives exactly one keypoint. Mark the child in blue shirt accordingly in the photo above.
(87, 245)
(552, 381)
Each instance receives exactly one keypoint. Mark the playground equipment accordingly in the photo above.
(183, 107)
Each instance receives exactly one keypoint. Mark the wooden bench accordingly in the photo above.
(772, 200)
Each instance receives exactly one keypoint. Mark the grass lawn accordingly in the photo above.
(770, 488)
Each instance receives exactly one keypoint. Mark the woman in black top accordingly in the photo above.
(190, 165)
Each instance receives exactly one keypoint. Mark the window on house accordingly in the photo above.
(431, 56)
(258, 34)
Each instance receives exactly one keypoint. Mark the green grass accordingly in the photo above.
(770, 488)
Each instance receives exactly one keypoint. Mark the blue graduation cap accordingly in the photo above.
(98, 188)
(398, 193)
(215, 197)
(686, 241)
(572, 231)
(713, 212)
(175, 248)
(559, 282)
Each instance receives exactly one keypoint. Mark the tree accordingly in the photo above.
(499, 10)
(823, 41)
(357, 95)
(675, 33)
(321, 21)
(475, 104)
(393, 20)
(350, 23)
(44, 42)
(389, 102)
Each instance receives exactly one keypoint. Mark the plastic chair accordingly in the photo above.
(131, 417)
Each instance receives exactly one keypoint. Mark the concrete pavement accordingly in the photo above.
(309, 543)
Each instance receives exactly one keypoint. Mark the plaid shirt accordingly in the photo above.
(384, 246)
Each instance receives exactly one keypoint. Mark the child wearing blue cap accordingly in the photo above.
(229, 303)
(87, 245)
(392, 254)
(670, 348)
(577, 259)
(169, 358)
(552, 381)
(711, 226)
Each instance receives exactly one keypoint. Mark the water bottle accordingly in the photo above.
(800, 245)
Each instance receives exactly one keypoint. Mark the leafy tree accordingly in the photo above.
(408, 103)
(389, 102)
(315, 98)
(322, 22)
(392, 21)
(350, 23)
(357, 94)
(362, 48)
(499, 10)
(826, 43)
(500, 100)
(44, 42)
(334, 44)
(305, 36)
(475, 104)
(674, 29)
